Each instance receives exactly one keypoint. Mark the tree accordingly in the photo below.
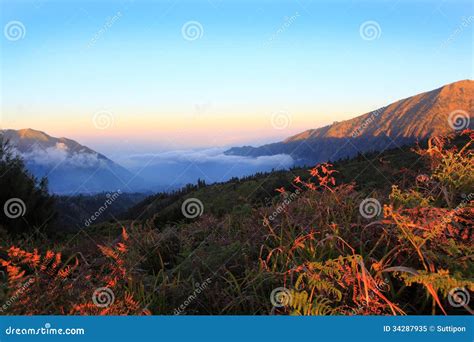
(25, 204)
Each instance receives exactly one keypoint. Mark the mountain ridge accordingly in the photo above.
(401, 122)
(420, 102)
(69, 166)
(28, 135)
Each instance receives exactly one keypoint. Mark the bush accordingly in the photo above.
(312, 251)
(25, 203)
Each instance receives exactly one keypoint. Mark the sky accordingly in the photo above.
(142, 76)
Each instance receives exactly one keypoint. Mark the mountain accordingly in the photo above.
(69, 166)
(369, 173)
(435, 112)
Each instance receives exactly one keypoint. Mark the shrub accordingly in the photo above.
(25, 203)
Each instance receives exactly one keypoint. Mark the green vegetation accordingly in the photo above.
(384, 234)
(27, 205)
(370, 172)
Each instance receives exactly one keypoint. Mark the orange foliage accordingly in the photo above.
(55, 287)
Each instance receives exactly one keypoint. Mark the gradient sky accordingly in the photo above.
(306, 59)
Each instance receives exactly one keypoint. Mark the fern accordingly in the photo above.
(302, 304)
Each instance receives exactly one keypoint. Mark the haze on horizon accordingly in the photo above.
(130, 76)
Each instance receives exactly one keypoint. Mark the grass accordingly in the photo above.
(333, 240)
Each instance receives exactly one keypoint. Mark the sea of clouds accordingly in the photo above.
(212, 165)
(160, 171)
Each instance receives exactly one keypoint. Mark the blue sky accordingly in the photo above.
(307, 59)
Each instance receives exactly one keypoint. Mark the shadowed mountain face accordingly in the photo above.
(436, 112)
(69, 166)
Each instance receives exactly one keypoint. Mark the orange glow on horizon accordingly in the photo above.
(203, 127)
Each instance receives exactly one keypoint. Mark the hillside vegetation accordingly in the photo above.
(386, 234)
(370, 172)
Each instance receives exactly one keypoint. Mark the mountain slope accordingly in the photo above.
(432, 113)
(69, 166)
(372, 171)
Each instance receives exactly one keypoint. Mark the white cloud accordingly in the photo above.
(59, 154)
(211, 155)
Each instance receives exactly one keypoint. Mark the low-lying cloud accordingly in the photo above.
(159, 171)
(212, 165)
(59, 154)
(207, 155)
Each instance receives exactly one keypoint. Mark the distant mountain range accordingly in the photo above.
(436, 112)
(69, 166)
(72, 168)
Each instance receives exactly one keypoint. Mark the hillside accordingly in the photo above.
(370, 172)
(417, 117)
(434, 112)
(398, 242)
(69, 166)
